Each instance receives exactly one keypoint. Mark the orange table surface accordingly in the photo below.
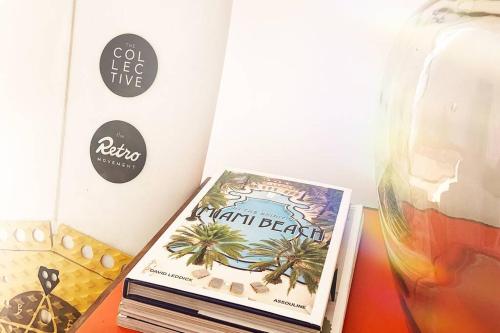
(373, 303)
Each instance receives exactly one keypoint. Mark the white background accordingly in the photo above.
(298, 97)
(34, 45)
(300, 89)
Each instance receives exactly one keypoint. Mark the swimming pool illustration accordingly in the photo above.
(260, 215)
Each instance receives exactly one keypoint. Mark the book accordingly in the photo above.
(336, 309)
(251, 251)
(142, 317)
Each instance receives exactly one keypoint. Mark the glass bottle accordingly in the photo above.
(439, 167)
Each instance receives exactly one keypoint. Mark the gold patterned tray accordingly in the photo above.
(48, 281)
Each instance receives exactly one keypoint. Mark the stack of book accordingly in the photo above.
(250, 253)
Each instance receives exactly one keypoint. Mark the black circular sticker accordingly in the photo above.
(118, 151)
(128, 65)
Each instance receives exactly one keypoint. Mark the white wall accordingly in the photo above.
(300, 88)
(174, 115)
(35, 36)
(298, 97)
(43, 105)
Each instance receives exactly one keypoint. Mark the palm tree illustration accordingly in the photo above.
(216, 197)
(314, 194)
(253, 179)
(303, 257)
(333, 196)
(327, 326)
(206, 243)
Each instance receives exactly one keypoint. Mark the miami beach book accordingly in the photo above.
(250, 253)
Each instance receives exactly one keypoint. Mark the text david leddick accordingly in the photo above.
(172, 275)
(107, 148)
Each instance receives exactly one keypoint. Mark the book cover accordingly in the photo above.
(255, 240)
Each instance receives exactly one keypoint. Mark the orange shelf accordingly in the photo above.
(373, 303)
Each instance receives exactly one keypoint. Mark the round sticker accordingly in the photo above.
(128, 65)
(118, 151)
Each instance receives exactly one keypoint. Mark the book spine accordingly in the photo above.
(208, 300)
(126, 282)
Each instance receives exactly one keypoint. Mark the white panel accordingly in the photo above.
(34, 41)
(301, 86)
(174, 115)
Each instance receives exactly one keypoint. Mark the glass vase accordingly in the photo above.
(439, 167)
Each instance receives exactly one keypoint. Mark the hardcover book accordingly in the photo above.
(336, 309)
(256, 250)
